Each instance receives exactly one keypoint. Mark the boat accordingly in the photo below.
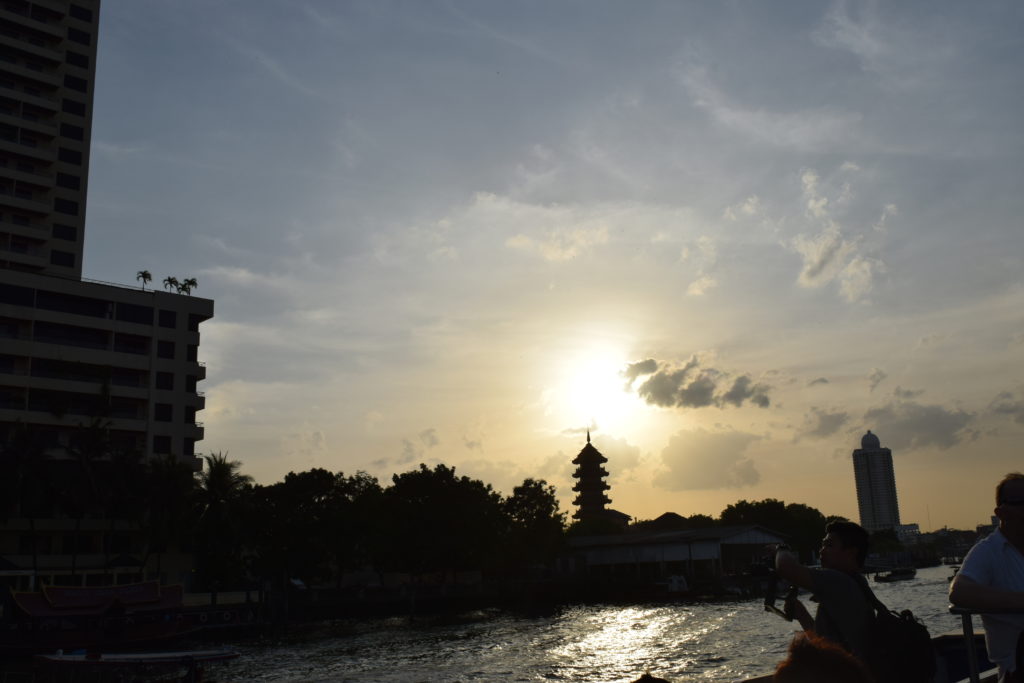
(897, 574)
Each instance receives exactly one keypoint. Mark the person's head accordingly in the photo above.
(1010, 502)
(813, 659)
(844, 547)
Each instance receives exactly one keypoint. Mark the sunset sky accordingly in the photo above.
(726, 237)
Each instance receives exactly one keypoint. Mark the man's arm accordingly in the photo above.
(788, 567)
(965, 592)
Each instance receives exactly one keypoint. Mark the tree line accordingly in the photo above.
(315, 525)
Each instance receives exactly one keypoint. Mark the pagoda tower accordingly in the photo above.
(591, 485)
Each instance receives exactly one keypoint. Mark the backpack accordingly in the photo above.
(900, 648)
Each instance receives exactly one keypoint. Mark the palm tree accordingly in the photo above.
(145, 276)
(188, 284)
(171, 281)
(221, 487)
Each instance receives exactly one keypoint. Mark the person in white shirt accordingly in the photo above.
(992, 577)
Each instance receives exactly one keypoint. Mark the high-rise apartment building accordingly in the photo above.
(876, 485)
(47, 68)
(75, 353)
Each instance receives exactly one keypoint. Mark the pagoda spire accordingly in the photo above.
(591, 485)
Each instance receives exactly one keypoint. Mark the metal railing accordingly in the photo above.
(966, 615)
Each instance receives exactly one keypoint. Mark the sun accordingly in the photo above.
(588, 389)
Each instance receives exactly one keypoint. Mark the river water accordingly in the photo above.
(680, 642)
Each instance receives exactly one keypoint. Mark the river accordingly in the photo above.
(680, 642)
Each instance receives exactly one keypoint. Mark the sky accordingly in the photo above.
(727, 238)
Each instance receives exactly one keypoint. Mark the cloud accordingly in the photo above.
(820, 423)
(828, 255)
(692, 386)
(906, 425)
(750, 207)
(704, 255)
(306, 444)
(819, 380)
(744, 389)
(428, 437)
(1007, 403)
(634, 370)
(820, 128)
(906, 394)
(876, 377)
(824, 256)
(702, 460)
(560, 244)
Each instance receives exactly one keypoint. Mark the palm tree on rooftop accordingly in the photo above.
(188, 284)
(171, 282)
(145, 276)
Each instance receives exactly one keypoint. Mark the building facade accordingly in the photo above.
(876, 485)
(77, 357)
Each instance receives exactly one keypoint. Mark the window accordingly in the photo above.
(168, 319)
(71, 182)
(131, 343)
(62, 258)
(80, 13)
(65, 232)
(80, 37)
(69, 156)
(73, 107)
(19, 296)
(190, 384)
(65, 206)
(72, 132)
(161, 444)
(163, 412)
(165, 381)
(165, 349)
(133, 313)
(193, 353)
(75, 59)
(75, 83)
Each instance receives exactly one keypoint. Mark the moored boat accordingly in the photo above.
(898, 574)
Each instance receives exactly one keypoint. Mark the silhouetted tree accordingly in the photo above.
(170, 511)
(220, 497)
(145, 276)
(804, 525)
(171, 282)
(437, 521)
(187, 285)
(536, 525)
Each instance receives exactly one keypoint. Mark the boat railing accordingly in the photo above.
(966, 616)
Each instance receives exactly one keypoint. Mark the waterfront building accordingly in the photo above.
(876, 485)
(75, 355)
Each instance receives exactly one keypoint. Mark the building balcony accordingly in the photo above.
(44, 152)
(32, 205)
(39, 178)
(37, 99)
(29, 22)
(38, 75)
(40, 49)
(28, 122)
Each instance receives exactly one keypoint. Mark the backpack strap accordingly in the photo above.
(869, 594)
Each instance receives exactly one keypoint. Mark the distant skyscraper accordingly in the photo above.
(876, 485)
